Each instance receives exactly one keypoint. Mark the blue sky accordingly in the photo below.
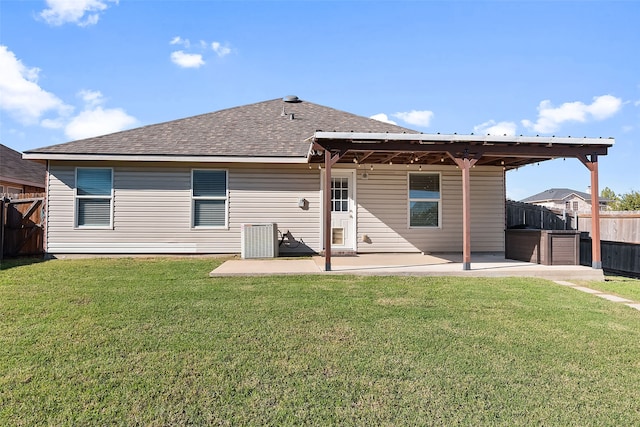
(73, 69)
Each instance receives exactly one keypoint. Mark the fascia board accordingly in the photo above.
(156, 158)
(488, 139)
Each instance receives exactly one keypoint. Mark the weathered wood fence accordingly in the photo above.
(21, 224)
(615, 226)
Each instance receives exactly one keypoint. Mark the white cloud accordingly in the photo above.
(418, 118)
(637, 103)
(27, 103)
(182, 42)
(382, 118)
(220, 50)
(187, 60)
(95, 120)
(91, 98)
(22, 97)
(550, 118)
(80, 12)
(497, 129)
(98, 121)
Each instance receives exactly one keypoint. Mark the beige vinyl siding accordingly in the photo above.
(152, 208)
(383, 211)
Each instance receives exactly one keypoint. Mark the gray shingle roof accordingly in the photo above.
(557, 194)
(15, 169)
(255, 130)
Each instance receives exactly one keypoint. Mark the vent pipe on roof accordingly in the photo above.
(291, 99)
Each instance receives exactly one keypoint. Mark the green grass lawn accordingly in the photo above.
(158, 342)
(621, 286)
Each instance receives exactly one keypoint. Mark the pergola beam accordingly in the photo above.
(497, 150)
(465, 151)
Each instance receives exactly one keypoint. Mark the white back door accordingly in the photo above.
(343, 218)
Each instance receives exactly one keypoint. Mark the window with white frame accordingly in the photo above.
(424, 200)
(94, 197)
(209, 198)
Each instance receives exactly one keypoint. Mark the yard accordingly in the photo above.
(158, 342)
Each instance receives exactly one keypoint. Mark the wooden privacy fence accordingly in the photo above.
(21, 225)
(617, 257)
(615, 226)
(526, 215)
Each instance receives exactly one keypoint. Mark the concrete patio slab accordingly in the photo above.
(482, 265)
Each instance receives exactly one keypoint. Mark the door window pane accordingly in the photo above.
(340, 194)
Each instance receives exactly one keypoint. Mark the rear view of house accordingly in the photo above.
(324, 177)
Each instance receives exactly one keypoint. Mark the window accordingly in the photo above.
(567, 206)
(209, 195)
(14, 190)
(575, 206)
(424, 200)
(340, 194)
(94, 197)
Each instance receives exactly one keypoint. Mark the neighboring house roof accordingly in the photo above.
(13, 168)
(558, 195)
(272, 128)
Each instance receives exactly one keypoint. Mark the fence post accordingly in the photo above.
(2, 223)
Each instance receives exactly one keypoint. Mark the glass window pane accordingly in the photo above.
(424, 186)
(423, 214)
(94, 182)
(209, 213)
(94, 212)
(209, 183)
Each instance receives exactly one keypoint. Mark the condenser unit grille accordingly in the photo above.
(260, 240)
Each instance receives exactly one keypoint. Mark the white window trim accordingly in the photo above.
(77, 197)
(409, 200)
(225, 198)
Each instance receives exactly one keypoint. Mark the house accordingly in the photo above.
(564, 199)
(18, 175)
(191, 185)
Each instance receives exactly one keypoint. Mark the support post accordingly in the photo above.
(327, 210)
(592, 164)
(596, 258)
(465, 165)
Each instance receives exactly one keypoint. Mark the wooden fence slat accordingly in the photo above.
(22, 225)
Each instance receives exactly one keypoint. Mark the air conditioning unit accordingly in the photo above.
(260, 240)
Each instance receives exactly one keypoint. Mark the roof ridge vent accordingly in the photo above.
(291, 99)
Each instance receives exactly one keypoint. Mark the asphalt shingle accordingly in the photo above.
(271, 128)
